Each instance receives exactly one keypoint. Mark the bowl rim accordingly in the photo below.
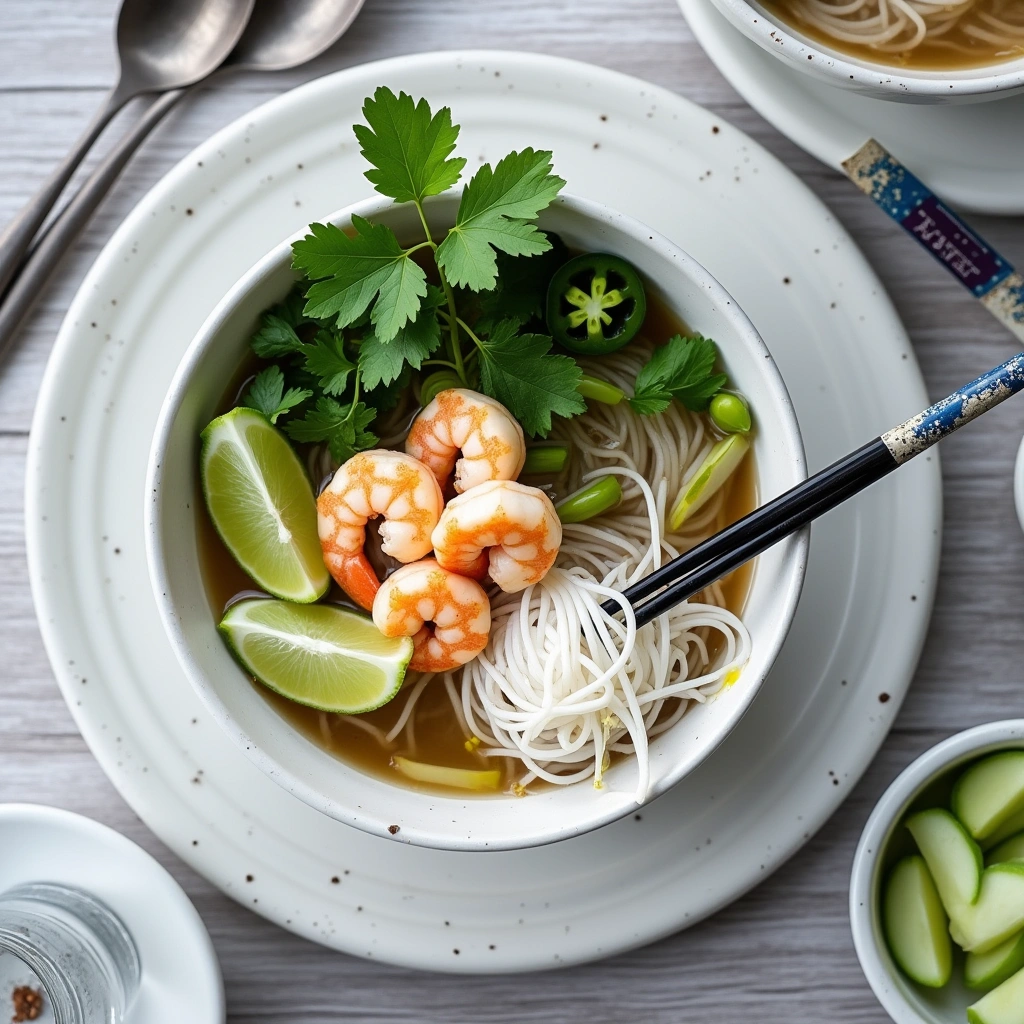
(890, 808)
(792, 47)
(791, 577)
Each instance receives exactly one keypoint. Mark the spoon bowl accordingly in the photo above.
(284, 35)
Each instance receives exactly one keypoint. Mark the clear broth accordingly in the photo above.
(955, 50)
(438, 736)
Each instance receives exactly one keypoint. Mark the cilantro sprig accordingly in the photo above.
(469, 301)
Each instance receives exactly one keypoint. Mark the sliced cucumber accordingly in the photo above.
(711, 474)
(998, 913)
(1008, 849)
(952, 856)
(1003, 1005)
(1010, 827)
(986, 970)
(989, 792)
(915, 924)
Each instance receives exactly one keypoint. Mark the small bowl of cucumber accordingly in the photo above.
(937, 892)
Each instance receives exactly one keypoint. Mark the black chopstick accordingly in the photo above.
(690, 573)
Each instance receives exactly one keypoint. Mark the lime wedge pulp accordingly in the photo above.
(319, 655)
(262, 504)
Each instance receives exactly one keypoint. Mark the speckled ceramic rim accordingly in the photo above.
(575, 820)
(865, 883)
(825, 64)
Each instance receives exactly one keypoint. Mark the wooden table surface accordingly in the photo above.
(783, 952)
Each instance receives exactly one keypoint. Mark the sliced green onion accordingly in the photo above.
(729, 413)
(712, 473)
(600, 390)
(457, 778)
(590, 501)
(437, 382)
(546, 458)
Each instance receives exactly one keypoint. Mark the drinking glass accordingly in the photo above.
(81, 954)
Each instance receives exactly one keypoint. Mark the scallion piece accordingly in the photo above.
(600, 390)
(546, 458)
(434, 383)
(597, 497)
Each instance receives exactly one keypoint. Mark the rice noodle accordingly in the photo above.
(901, 26)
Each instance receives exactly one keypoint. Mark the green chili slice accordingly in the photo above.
(596, 304)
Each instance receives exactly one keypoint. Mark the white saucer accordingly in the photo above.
(180, 976)
(970, 155)
(818, 719)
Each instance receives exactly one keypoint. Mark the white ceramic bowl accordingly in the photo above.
(454, 822)
(904, 1001)
(881, 80)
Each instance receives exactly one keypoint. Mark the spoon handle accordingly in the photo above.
(57, 239)
(17, 236)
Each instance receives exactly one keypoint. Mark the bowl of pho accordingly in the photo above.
(917, 51)
(410, 456)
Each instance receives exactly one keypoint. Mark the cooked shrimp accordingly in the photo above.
(371, 484)
(424, 593)
(490, 439)
(503, 528)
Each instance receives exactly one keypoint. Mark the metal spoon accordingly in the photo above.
(159, 46)
(281, 34)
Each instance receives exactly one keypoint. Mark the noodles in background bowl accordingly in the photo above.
(924, 33)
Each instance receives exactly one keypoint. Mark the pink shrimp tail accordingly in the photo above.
(355, 575)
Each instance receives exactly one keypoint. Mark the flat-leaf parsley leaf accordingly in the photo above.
(342, 427)
(382, 362)
(409, 148)
(352, 272)
(497, 211)
(268, 396)
(682, 368)
(520, 373)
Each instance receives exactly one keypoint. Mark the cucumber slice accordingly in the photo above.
(915, 924)
(986, 970)
(712, 473)
(1003, 1005)
(1008, 849)
(952, 856)
(1010, 827)
(317, 654)
(989, 792)
(997, 915)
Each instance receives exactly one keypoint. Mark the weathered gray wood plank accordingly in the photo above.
(783, 953)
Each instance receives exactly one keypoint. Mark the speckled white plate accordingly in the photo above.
(969, 154)
(819, 717)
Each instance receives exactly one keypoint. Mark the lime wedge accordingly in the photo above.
(716, 468)
(318, 655)
(262, 505)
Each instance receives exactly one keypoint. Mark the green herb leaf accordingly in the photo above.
(683, 369)
(342, 427)
(354, 271)
(518, 371)
(496, 212)
(276, 337)
(522, 286)
(326, 360)
(409, 148)
(268, 396)
(384, 397)
(383, 361)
